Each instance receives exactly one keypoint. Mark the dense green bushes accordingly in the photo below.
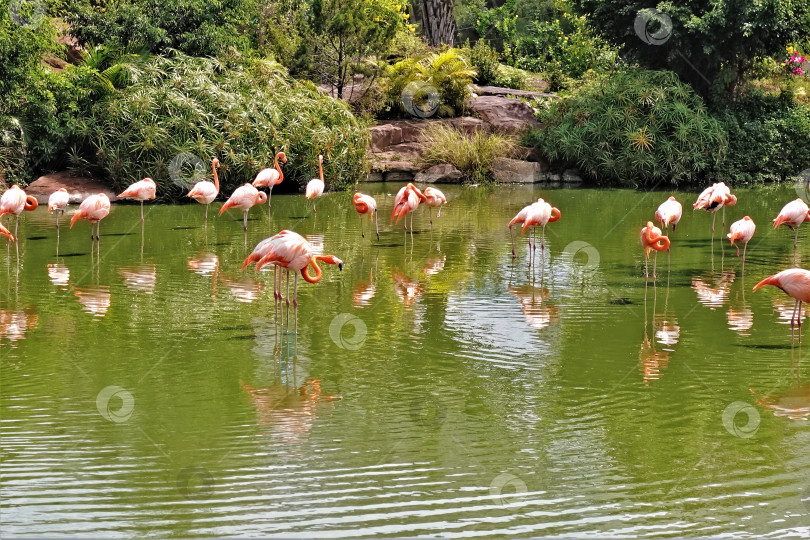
(635, 127)
(242, 113)
(768, 139)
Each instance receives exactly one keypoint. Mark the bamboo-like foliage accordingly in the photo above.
(13, 149)
(633, 128)
(242, 115)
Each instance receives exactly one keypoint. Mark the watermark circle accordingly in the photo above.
(105, 408)
(516, 488)
(579, 247)
(195, 483)
(752, 424)
(802, 185)
(181, 164)
(28, 14)
(358, 337)
(427, 411)
(420, 99)
(649, 17)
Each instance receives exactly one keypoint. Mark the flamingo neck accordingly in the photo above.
(216, 177)
(278, 169)
(320, 168)
(305, 271)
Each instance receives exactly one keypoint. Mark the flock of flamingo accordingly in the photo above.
(290, 252)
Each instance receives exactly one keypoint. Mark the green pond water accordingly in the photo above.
(432, 388)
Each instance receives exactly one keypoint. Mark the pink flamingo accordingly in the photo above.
(5, 232)
(204, 192)
(294, 253)
(743, 231)
(94, 208)
(651, 239)
(366, 204)
(793, 214)
(142, 190)
(795, 282)
(244, 197)
(537, 214)
(262, 249)
(316, 186)
(670, 211)
(713, 198)
(407, 200)
(271, 177)
(434, 198)
(14, 201)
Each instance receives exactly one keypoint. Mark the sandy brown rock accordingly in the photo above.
(503, 114)
(78, 187)
(439, 174)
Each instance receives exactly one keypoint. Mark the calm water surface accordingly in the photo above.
(432, 388)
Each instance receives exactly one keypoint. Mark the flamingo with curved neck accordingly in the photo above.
(271, 177)
(14, 201)
(652, 239)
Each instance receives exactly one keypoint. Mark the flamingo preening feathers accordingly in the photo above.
(204, 192)
(94, 208)
(434, 198)
(795, 282)
(244, 197)
(742, 231)
(713, 198)
(669, 212)
(366, 204)
(408, 199)
(537, 214)
(272, 176)
(793, 214)
(652, 239)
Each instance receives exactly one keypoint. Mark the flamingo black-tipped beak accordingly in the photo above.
(340, 267)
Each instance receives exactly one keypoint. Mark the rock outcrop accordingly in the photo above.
(78, 187)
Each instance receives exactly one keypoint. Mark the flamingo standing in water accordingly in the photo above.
(537, 214)
(294, 253)
(743, 231)
(316, 186)
(795, 282)
(204, 192)
(366, 204)
(94, 208)
(142, 190)
(793, 214)
(57, 202)
(651, 239)
(244, 197)
(262, 249)
(713, 198)
(407, 200)
(668, 213)
(14, 201)
(434, 198)
(271, 177)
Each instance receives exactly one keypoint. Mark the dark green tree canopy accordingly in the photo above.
(709, 43)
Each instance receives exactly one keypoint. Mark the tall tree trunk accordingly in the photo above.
(438, 22)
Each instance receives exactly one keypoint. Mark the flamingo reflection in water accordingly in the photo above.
(140, 278)
(16, 323)
(244, 289)
(666, 333)
(713, 293)
(434, 264)
(792, 403)
(206, 264)
(534, 304)
(364, 291)
(95, 299)
(407, 288)
(741, 320)
(59, 275)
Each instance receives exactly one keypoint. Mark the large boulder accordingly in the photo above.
(503, 113)
(78, 187)
(515, 171)
(439, 174)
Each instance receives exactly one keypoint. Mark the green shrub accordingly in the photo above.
(510, 77)
(484, 59)
(242, 113)
(635, 127)
(473, 154)
(767, 139)
(448, 72)
(13, 151)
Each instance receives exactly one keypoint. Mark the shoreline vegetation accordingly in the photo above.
(134, 89)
